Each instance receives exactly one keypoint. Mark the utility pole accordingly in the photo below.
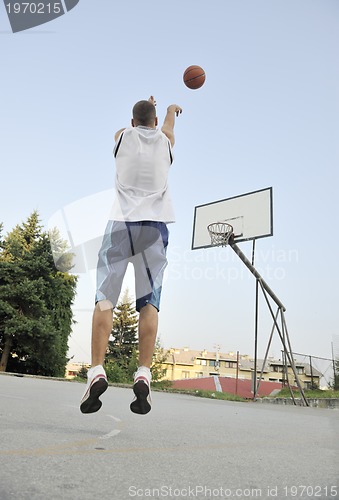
(217, 357)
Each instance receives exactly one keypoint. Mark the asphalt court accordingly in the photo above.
(187, 447)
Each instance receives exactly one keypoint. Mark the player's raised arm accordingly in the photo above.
(168, 127)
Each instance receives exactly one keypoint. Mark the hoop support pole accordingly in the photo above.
(255, 273)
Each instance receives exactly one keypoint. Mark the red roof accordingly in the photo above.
(203, 383)
(242, 387)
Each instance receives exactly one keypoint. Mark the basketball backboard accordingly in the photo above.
(250, 214)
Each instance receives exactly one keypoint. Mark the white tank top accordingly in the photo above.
(143, 157)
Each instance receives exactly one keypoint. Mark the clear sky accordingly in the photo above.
(268, 115)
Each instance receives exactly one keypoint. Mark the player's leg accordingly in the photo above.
(110, 272)
(102, 324)
(149, 266)
(147, 331)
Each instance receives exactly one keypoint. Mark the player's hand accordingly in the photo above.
(152, 100)
(175, 108)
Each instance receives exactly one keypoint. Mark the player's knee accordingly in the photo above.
(103, 305)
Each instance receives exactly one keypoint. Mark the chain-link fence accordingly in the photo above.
(320, 372)
(335, 356)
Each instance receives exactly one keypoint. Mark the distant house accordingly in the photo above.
(190, 365)
(184, 363)
(73, 368)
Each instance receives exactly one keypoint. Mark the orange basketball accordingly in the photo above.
(194, 77)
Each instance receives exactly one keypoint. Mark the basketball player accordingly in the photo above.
(136, 232)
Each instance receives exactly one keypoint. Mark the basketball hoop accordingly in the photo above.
(220, 233)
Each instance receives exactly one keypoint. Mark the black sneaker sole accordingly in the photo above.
(140, 405)
(93, 403)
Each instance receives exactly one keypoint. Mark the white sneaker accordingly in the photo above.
(142, 390)
(96, 385)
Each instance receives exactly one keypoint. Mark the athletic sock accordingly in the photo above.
(143, 372)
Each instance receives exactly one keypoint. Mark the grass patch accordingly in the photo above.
(167, 386)
(217, 395)
(78, 379)
(205, 394)
(162, 385)
(310, 394)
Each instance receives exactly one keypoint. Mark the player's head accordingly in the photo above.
(144, 114)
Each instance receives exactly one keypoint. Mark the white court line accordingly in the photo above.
(110, 434)
(115, 418)
(114, 432)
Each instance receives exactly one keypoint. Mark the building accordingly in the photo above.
(184, 364)
(191, 364)
(73, 368)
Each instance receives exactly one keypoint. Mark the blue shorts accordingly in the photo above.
(142, 243)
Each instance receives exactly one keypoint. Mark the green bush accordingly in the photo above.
(116, 374)
(162, 384)
(82, 373)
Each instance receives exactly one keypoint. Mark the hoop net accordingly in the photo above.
(220, 233)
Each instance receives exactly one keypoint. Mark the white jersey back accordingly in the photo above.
(143, 157)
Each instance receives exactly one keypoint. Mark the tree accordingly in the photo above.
(116, 373)
(121, 358)
(159, 357)
(35, 303)
(122, 352)
(82, 373)
(124, 332)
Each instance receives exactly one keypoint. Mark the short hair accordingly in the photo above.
(144, 113)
